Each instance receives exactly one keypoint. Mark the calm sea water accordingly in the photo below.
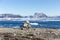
(41, 24)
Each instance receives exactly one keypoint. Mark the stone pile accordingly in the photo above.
(26, 25)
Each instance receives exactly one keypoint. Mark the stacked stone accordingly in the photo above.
(26, 25)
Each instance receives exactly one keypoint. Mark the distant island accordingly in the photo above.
(36, 16)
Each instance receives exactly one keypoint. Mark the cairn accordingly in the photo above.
(26, 25)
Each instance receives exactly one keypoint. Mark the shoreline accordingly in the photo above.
(40, 33)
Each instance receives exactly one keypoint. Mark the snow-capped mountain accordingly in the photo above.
(9, 16)
(40, 15)
(36, 16)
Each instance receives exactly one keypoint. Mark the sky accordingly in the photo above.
(29, 7)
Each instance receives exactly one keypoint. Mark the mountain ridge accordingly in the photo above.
(36, 15)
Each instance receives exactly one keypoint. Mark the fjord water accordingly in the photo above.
(41, 24)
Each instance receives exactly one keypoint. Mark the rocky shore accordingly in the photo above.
(26, 32)
(29, 34)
